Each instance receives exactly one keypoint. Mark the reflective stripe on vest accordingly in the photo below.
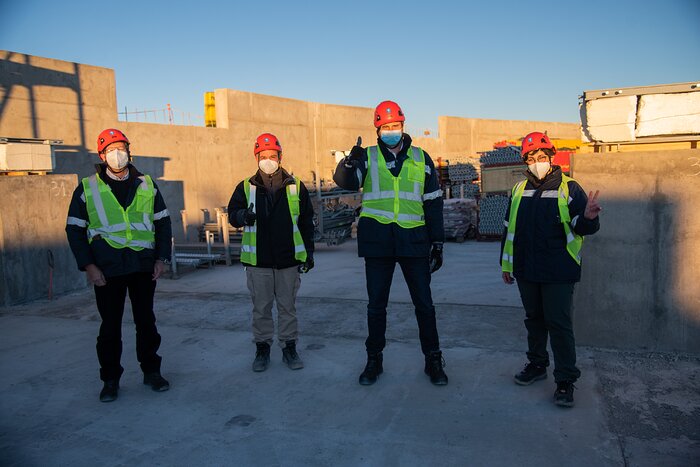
(249, 250)
(131, 228)
(574, 242)
(389, 199)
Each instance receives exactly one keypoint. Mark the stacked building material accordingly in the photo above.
(462, 173)
(460, 219)
(467, 190)
(509, 155)
(492, 212)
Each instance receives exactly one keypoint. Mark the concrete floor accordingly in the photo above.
(631, 409)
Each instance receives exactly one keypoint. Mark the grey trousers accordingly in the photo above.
(269, 285)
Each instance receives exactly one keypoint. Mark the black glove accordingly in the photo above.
(308, 264)
(249, 216)
(357, 153)
(435, 257)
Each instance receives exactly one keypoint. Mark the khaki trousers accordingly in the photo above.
(269, 285)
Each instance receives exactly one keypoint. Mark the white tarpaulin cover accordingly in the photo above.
(610, 119)
(669, 114)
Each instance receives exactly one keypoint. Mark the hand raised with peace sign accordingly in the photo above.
(592, 207)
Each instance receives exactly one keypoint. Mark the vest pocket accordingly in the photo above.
(144, 201)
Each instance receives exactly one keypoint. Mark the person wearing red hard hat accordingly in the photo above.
(401, 222)
(548, 216)
(119, 230)
(275, 210)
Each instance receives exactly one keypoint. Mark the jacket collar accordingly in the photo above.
(101, 170)
(257, 179)
(550, 182)
(403, 154)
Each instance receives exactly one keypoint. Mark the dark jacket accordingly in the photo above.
(375, 239)
(117, 261)
(275, 243)
(539, 246)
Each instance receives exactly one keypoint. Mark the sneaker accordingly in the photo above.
(291, 357)
(564, 395)
(373, 369)
(434, 364)
(262, 356)
(530, 374)
(110, 391)
(156, 381)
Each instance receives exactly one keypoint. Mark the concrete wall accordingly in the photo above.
(640, 287)
(32, 222)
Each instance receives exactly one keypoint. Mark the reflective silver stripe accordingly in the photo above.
(253, 189)
(528, 193)
(374, 167)
(293, 189)
(161, 214)
(550, 194)
(409, 217)
(107, 229)
(295, 227)
(147, 221)
(432, 195)
(574, 221)
(76, 221)
(378, 212)
(506, 224)
(415, 152)
(427, 169)
(140, 227)
(373, 195)
(410, 196)
(510, 237)
(507, 257)
(248, 249)
(299, 248)
(97, 199)
(570, 237)
(82, 196)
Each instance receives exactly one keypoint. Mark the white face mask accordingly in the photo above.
(539, 169)
(117, 159)
(268, 166)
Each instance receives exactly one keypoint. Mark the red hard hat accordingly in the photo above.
(109, 136)
(536, 140)
(267, 141)
(388, 112)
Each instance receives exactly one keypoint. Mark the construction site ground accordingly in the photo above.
(632, 408)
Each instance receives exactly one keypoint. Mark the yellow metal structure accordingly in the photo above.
(209, 110)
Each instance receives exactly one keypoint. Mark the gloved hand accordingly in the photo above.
(435, 257)
(249, 215)
(357, 153)
(308, 264)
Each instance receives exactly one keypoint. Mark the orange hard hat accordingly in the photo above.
(536, 140)
(267, 141)
(388, 112)
(109, 136)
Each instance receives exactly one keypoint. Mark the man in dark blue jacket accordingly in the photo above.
(121, 257)
(401, 222)
(545, 223)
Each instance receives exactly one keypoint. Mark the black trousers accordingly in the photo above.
(548, 313)
(110, 304)
(416, 272)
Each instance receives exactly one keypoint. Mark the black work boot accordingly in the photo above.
(373, 368)
(156, 381)
(291, 357)
(110, 391)
(433, 368)
(262, 356)
(564, 395)
(530, 374)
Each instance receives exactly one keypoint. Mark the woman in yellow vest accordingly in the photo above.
(275, 210)
(548, 216)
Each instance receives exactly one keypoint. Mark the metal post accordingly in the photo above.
(218, 221)
(210, 241)
(183, 215)
(227, 251)
(173, 260)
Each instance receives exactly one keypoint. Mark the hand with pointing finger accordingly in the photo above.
(592, 207)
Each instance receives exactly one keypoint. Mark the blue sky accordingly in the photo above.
(498, 59)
